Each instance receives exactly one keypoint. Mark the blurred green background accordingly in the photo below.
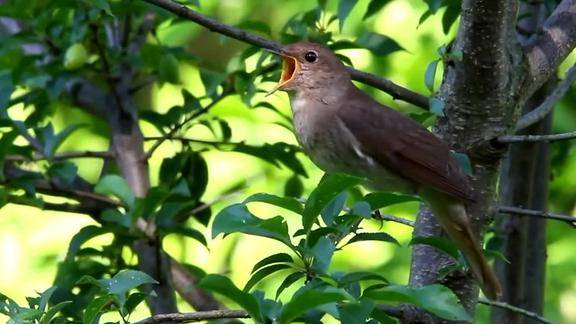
(33, 241)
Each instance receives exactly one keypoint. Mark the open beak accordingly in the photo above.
(290, 68)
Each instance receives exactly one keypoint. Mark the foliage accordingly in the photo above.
(110, 59)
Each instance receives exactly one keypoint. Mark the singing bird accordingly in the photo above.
(342, 129)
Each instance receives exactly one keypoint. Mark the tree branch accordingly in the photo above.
(547, 49)
(547, 105)
(194, 317)
(537, 213)
(396, 91)
(536, 138)
(63, 156)
(515, 309)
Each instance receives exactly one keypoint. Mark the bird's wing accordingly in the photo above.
(403, 146)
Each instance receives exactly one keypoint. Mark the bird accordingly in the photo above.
(344, 130)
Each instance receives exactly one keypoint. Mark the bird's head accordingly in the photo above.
(309, 66)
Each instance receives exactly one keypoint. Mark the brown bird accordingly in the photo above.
(343, 129)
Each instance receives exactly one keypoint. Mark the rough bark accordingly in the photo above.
(524, 182)
(481, 93)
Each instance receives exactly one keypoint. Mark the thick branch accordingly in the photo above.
(385, 85)
(536, 138)
(547, 105)
(550, 47)
(537, 213)
(194, 317)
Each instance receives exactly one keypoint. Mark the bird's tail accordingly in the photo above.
(454, 220)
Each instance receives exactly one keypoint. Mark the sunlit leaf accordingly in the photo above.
(436, 299)
(274, 258)
(263, 273)
(116, 186)
(378, 236)
(288, 281)
(222, 285)
(374, 7)
(344, 8)
(282, 202)
(378, 44)
(306, 299)
(430, 75)
(329, 187)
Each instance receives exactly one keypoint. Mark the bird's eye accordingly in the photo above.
(311, 56)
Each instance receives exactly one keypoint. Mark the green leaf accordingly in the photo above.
(306, 299)
(450, 15)
(186, 231)
(333, 208)
(263, 273)
(238, 219)
(436, 106)
(45, 297)
(126, 280)
(356, 312)
(274, 258)
(52, 311)
(133, 301)
(344, 8)
(378, 44)
(282, 202)
(211, 81)
(374, 7)
(378, 236)
(288, 281)
(82, 237)
(362, 209)
(379, 200)
(322, 252)
(463, 161)
(222, 285)
(329, 187)
(441, 243)
(430, 75)
(382, 318)
(100, 4)
(359, 276)
(116, 186)
(294, 187)
(6, 89)
(64, 171)
(96, 307)
(436, 299)
(169, 69)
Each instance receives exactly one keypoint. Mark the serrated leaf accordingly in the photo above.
(116, 186)
(378, 236)
(263, 273)
(282, 202)
(378, 44)
(430, 75)
(436, 299)
(306, 299)
(274, 258)
(329, 187)
(441, 243)
(288, 281)
(436, 106)
(222, 285)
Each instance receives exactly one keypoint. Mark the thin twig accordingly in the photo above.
(515, 309)
(398, 92)
(63, 156)
(538, 213)
(194, 317)
(392, 218)
(193, 116)
(548, 104)
(536, 138)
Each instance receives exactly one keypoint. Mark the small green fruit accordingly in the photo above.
(76, 55)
